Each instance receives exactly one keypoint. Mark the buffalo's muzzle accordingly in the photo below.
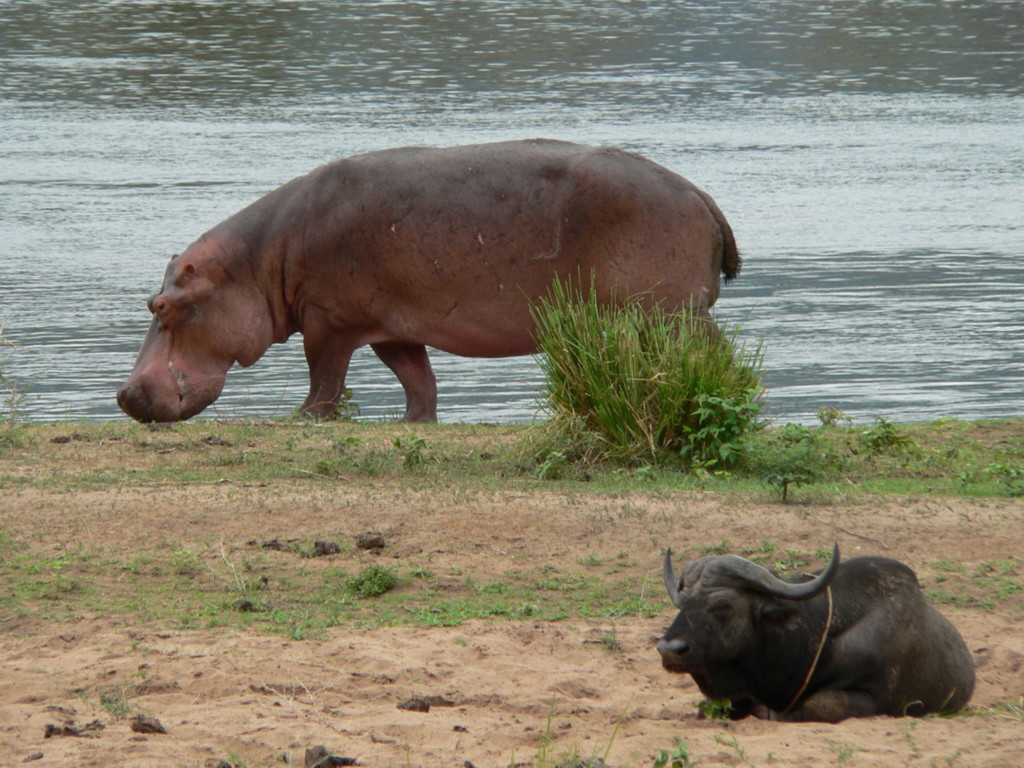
(672, 653)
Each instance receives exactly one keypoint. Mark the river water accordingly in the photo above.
(869, 155)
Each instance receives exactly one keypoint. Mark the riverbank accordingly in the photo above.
(260, 589)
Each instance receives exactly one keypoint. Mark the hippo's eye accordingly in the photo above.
(159, 305)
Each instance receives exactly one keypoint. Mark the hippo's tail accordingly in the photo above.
(731, 261)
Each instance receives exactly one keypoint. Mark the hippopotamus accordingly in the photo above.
(413, 247)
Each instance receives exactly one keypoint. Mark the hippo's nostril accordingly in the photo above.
(128, 400)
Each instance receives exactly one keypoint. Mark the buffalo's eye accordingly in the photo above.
(720, 610)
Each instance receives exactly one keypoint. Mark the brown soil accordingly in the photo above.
(500, 688)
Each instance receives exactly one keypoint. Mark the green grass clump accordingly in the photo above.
(642, 384)
(373, 581)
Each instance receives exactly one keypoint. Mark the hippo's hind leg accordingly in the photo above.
(409, 362)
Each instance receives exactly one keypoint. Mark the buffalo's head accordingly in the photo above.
(208, 315)
(726, 604)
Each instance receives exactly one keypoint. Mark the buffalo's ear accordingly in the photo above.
(784, 617)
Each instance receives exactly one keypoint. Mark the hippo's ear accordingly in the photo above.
(186, 273)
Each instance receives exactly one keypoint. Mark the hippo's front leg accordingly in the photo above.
(328, 361)
(410, 363)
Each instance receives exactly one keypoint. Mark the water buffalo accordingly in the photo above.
(420, 246)
(859, 639)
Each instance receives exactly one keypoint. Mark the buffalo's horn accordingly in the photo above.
(671, 582)
(740, 572)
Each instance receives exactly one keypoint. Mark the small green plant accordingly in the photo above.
(610, 640)
(348, 409)
(246, 593)
(906, 729)
(791, 560)
(12, 396)
(116, 703)
(552, 466)
(679, 757)
(885, 437)
(373, 581)
(715, 710)
(1010, 478)
(759, 554)
(843, 751)
(186, 563)
(794, 455)
(411, 450)
(949, 761)
(719, 548)
(830, 417)
(733, 743)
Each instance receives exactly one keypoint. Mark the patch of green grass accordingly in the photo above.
(951, 458)
(115, 702)
(720, 548)
(372, 581)
(733, 743)
(638, 384)
(300, 598)
(844, 752)
(791, 456)
(198, 584)
(1008, 710)
(715, 710)
(982, 585)
(677, 757)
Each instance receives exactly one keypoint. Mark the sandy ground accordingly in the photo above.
(502, 688)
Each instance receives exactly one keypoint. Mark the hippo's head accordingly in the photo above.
(208, 315)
